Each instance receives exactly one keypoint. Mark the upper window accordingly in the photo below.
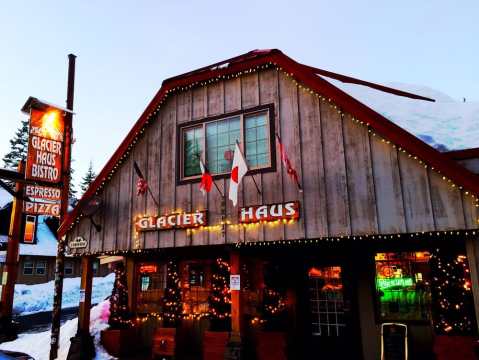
(213, 142)
(40, 267)
(28, 268)
(68, 270)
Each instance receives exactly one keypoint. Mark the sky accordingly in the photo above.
(126, 48)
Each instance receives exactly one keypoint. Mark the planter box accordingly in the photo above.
(270, 345)
(164, 342)
(119, 342)
(454, 347)
(214, 344)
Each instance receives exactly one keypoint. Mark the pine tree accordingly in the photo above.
(119, 314)
(172, 299)
(87, 179)
(453, 304)
(72, 191)
(18, 147)
(220, 298)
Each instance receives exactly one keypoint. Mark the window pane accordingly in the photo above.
(221, 138)
(257, 142)
(402, 285)
(192, 150)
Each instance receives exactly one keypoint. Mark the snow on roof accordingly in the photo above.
(448, 122)
(5, 197)
(46, 241)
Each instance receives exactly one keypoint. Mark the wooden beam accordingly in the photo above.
(473, 259)
(236, 306)
(85, 295)
(11, 265)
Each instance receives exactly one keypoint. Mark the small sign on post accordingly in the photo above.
(235, 282)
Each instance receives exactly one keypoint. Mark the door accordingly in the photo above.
(329, 327)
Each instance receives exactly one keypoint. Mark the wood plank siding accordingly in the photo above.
(354, 181)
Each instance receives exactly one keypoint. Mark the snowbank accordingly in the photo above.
(30, 299)
(38, 345)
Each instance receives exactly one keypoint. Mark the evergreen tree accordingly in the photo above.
(172, 298)
(18, 147)
(87, 179)
(119, 314)
(72, 191)
(220, 298)
(453, 304)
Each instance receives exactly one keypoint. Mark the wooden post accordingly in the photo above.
(131, 283)
(472, 253)
(11, 265)
(66, 162)
(236, 308)
(85, 295)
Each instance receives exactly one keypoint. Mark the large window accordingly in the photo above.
(213, 142)
(403, 286)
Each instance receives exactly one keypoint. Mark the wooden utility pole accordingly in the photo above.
(9, 276)
(59, 266)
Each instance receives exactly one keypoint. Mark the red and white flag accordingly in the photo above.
(141, 184)
(238, 170)
(206, 179)
(291, 171)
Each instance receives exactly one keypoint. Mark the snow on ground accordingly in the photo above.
(30, 299)
(38, 345)
(448, 122)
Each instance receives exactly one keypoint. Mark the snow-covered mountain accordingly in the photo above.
(448, 122)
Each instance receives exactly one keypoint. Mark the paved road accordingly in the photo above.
(42, 321)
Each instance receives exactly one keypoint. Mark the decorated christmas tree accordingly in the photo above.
(172, 299)
(273, 305)
(220, 297)
(119, 314)
(453, 306)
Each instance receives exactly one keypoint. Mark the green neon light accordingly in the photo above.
(388, 283)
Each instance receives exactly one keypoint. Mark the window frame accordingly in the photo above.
(242, 114)
(45, 263)
(68, 265)
(32, 267)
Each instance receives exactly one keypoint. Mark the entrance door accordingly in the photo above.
(329, 327)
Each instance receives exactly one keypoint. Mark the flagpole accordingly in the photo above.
(252, 176)
(140, 175)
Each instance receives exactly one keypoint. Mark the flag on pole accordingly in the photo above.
(290, 170)
(141, 185)
(206, 179)
(238, 170)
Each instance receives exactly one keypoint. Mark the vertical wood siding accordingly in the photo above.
(354, 182)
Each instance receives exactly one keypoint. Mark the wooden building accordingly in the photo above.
(377, 210)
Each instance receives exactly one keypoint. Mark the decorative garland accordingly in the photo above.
(220, 297)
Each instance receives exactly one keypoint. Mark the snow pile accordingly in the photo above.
(30, 299)
(38, 345)
(448, 122)
(46, 241)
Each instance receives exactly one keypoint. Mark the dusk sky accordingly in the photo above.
(126, 48)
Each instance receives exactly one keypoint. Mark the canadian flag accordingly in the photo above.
(206, 179)
(238, 170)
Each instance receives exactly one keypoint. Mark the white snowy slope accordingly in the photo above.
(452, 123)
(38, 345)
(29, 299)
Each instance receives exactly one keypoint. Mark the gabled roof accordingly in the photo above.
(309, 77)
